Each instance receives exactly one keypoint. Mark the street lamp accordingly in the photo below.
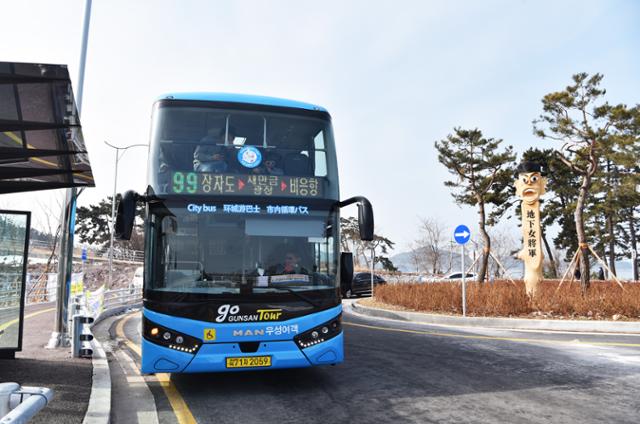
(120, 151)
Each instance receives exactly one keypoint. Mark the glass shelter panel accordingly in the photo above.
(14, 239)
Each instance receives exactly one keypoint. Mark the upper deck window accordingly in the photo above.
(212, 151)
(191, 146)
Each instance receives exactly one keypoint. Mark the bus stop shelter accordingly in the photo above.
(41, 148)
(41, 143)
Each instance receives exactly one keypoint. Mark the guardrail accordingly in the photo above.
(102, 304)
(19, 404)
(91, 307)
(10, 295)
(121, 297)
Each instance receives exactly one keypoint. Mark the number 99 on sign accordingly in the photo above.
(182, 182)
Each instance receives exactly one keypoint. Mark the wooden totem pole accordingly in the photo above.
(530, 185)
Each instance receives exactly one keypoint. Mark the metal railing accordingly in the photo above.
(10, 294)
(20, 404)
(121, 297)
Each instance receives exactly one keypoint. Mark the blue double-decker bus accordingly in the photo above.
(242, 261)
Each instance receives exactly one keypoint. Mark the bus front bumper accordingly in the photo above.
(212, 357)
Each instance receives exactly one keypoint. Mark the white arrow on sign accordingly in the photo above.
(463, 234)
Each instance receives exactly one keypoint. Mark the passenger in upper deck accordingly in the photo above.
(210, 157)
(270, 165)
(164, 176)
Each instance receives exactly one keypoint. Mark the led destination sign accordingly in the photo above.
(237, 208)
(256, 185)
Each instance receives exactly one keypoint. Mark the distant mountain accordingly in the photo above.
(450, 263)
(403, 262)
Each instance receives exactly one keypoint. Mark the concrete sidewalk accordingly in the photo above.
(590, 326)
(70, 378)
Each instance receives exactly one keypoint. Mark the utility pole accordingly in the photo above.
(60, 335)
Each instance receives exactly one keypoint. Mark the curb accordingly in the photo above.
(99, 409)
(504, 323)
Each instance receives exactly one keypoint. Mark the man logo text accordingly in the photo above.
(245, 333)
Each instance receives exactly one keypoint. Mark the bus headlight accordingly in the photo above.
(171, 339)
(319, 334)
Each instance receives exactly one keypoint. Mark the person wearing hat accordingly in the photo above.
(210, 157)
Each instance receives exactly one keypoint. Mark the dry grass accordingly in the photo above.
(604, 300)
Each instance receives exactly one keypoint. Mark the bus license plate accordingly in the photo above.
(249, 362)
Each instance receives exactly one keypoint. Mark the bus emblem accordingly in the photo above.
(249, 157)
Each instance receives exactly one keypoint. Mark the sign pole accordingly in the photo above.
(373, 258)
(462, 234)
(464, 274)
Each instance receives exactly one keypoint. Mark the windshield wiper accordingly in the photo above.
(295, 293)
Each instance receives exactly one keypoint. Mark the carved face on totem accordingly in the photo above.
(530, 186)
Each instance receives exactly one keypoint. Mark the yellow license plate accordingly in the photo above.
(249, 362)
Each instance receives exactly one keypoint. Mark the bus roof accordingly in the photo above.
(242, 98)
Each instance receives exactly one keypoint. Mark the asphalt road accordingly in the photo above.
(399, 372)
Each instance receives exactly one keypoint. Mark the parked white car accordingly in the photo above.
(456, 276)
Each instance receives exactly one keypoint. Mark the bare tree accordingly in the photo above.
(416, 256)
(504, 246)
(431, 242)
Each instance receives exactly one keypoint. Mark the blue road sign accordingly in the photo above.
(84, 253)
(462, 234)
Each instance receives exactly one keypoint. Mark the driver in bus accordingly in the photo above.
(210, 157)
(291, 265)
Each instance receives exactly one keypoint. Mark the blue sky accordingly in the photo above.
(396, 76)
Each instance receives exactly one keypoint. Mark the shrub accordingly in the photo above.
(502, 298)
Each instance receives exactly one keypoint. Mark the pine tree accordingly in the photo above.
(588, 128)
(92, 222)
(350, 242)
(482, 176)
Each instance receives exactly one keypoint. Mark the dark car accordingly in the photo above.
(361, 284)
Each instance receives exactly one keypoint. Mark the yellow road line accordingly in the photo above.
(477, 337)
(15, 321)
(179, 406)
(18, 140)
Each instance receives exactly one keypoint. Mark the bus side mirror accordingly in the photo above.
(365, 216)
(346, 271)
(126, 215)
(365, 220)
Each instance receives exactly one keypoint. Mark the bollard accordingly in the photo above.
(75, 308)
(81, 341)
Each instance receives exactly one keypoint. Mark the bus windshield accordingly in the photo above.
(229, 248)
